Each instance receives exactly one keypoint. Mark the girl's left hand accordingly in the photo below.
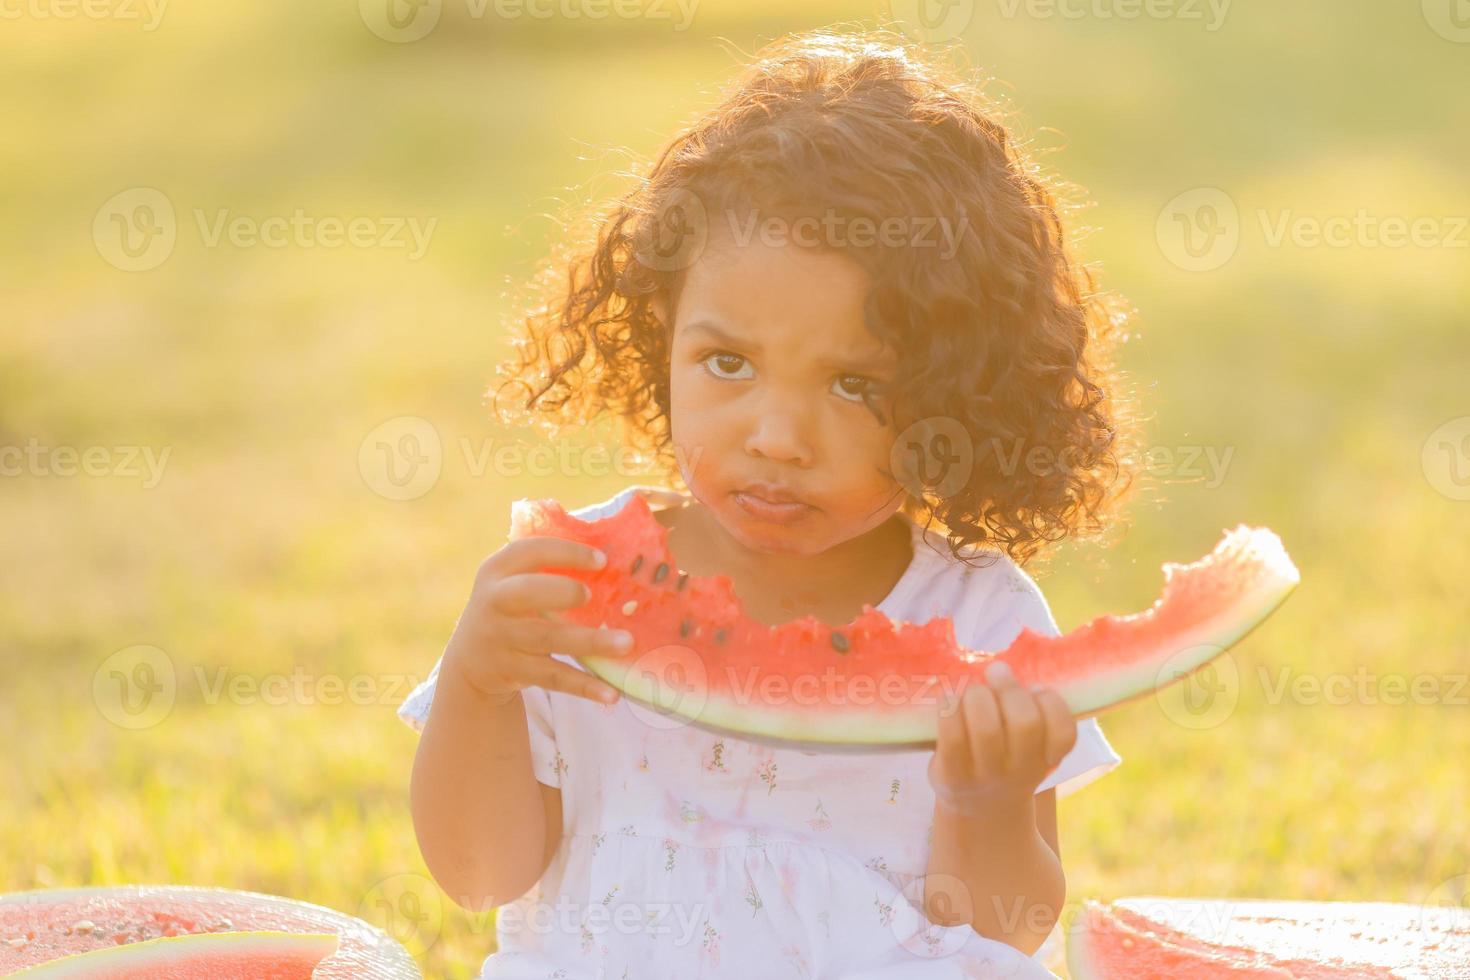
(997, 742)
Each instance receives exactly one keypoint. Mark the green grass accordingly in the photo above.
(262, 370)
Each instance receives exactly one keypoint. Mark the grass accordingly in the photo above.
(262, 551)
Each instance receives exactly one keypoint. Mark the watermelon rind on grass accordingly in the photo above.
(1156, 937)
(39, 926)
(199, 956)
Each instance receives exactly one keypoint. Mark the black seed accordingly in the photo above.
(839, 641)
(660, 571)
(637, 563)
(684, 627)
(719, 636)
(683, 577)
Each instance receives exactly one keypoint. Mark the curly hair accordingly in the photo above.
(1009, 337)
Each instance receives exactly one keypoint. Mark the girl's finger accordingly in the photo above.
(1025, 736)
(545, 637)
(985, 730)
(552, 675)
(952, 744)
(536, 552)
(1061, 727)
(529, 593)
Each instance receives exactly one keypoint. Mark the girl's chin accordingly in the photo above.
(798, 538)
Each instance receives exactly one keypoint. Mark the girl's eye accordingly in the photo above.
(726, 358)
(863, 385)
(726, 363)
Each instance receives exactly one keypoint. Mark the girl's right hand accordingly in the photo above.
(510, 626)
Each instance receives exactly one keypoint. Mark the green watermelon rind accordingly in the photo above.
(176, 951)
(917, 730)
(1249, 566)
(1086, 963)
(1296, 938)
(368, 951)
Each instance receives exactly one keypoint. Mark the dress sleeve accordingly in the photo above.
(1092, 756)
(545, 762)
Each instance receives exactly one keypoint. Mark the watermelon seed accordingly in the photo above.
(840, 642)
(660, 572)
(683, 577)
(637, 564)
(86, 925)
(684, 627)
(630, 607)
(719, 636)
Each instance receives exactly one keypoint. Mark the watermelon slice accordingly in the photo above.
(873, 684)
(1150, 938)
(206, 956)
(41, 926)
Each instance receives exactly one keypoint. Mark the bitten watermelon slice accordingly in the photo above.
(206, 956)
(41, 926)
(873, 684)
(1150, 938)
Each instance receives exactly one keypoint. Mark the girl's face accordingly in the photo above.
(768, 362)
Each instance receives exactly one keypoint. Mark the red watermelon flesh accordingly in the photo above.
(873, 683)
(205, 956)
(1102, 947)
(1301, 939)
(40, 926)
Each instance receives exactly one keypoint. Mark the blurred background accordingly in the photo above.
(257, 265)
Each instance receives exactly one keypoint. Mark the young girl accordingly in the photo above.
(839, 309)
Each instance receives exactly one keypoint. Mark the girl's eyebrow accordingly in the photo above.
(719, 335)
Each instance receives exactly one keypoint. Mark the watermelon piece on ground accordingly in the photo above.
(204, 956)
(39, 926)
(874, 684)
(1306, 940)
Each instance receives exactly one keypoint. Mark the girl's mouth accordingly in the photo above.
(765, 510)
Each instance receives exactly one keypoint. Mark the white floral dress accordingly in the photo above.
(688, 855)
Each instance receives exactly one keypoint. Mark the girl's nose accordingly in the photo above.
(777, 435)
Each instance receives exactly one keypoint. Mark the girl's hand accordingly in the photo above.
(509, 626)
(997, 742)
